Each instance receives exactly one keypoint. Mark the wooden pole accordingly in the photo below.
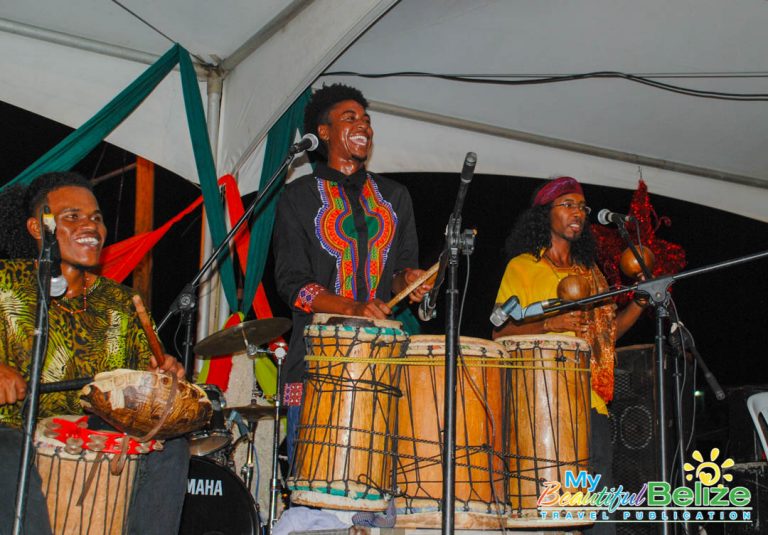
(144, 222)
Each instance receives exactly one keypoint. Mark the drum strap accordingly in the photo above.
(117, 463)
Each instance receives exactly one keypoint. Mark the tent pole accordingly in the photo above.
(205, 318)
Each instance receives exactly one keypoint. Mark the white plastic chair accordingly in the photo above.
(758, 405)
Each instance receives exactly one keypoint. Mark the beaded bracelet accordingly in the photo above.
(307, 295)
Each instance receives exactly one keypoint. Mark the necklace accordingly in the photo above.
(562, 272)
(85, 300)
(557, 269)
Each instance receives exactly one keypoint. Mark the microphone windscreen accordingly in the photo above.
(58, 286)
(603, 216)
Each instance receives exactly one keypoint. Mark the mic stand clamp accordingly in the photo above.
(185, 305)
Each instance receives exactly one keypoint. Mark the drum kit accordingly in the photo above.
(218, 500)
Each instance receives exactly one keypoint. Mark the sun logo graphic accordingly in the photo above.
(709, 473)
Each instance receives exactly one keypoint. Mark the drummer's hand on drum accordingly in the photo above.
(411, 276)
(575, 320)
(12, 385)
(376, 308)
(170, 365)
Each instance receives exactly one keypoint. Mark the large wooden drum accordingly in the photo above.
(479, 471)
(547, 413)
(345, 446)
(86, 490)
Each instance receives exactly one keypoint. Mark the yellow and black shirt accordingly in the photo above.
(83, 340)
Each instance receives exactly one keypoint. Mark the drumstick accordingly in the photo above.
(415, 284)
(154, 343)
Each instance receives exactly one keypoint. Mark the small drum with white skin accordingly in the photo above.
(345, 446)
(547, 414)
(87, 480)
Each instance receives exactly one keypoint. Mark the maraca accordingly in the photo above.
(631, 267)
(573, 288)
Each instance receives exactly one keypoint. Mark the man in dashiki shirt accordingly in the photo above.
(345, 238)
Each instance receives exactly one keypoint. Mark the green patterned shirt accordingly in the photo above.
(106, 336)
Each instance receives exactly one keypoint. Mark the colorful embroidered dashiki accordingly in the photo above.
(347, 234)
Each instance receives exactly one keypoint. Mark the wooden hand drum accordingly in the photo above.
(479, 488)
(345, 446)
(547, 411)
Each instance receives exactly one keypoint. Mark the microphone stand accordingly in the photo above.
(455, 242)
(186, 302)
(683, 343)
(662, 312)
(658, 293)
(39, 348)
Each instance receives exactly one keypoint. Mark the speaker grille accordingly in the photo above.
(633, 415)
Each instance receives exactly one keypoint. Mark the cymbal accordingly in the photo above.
(252, 412)
(239, 337)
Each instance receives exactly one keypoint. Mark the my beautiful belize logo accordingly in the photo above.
(709, 500)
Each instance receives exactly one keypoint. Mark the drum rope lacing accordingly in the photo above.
(117, 463)
(539, 464)
(328, 381)
(481, 362)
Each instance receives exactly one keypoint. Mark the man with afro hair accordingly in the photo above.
(345, 238)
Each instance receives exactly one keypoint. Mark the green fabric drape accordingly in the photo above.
(75, 146)
(206, 172)
(79, 143)
(280, 137)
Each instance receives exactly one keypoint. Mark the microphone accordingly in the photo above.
(539, 308)
(510, 307)
(308, 143)
(58, 282)
(606, 217)
(685, 339)
(467, 172)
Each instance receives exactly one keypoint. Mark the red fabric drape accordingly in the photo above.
(120, 259)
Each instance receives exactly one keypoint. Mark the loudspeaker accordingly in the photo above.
(633, 416)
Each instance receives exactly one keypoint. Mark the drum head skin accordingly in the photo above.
(354, 321)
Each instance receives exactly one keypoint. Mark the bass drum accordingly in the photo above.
(217, 502)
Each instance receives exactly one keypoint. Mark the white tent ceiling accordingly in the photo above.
(600, 130)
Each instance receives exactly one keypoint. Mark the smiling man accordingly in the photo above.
(345, 238)
(93, 328)
(550, 241)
